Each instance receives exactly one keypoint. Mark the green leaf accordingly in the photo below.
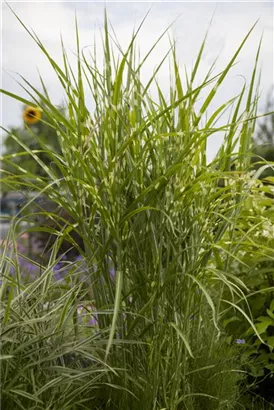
(6, 357)
(264, 323)
(272, 305)
(270, 341)
(182, 336)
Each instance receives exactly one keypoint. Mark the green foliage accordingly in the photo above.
(160, 237)
(253, 248)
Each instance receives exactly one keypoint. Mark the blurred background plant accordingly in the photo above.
(36, 132)
(263, 141)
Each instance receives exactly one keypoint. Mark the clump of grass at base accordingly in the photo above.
(151, 215)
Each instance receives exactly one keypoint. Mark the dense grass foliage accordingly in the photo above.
(138, 320)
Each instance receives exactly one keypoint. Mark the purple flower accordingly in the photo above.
(60, 271)
(112, 273)
(28, 267)
(59, 276)
(93, 321)
(22, 249)
(86, 315)
(12, 270)
(79, 258)
(240, 341)
(57, 267)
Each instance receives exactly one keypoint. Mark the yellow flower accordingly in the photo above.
(32, 115)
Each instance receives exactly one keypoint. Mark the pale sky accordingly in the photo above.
(231, 22)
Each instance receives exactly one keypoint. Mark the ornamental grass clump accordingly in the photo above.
(151, 214)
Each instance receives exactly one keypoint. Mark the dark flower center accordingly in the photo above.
(31, 113)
